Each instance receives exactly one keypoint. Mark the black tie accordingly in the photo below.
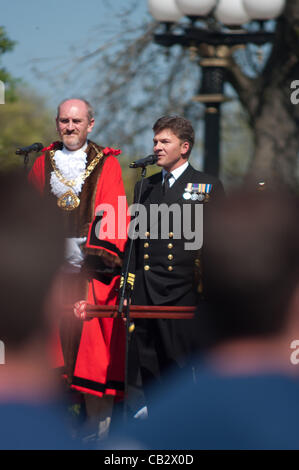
(165, 186)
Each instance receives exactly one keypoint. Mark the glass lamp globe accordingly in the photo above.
(231, 12)
(164, 10)
(196, 7)
(265, 9)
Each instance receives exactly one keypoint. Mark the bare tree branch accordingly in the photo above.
(132, 81)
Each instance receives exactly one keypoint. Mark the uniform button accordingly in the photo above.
(146, 245)
(170, 245)
(146, 267)
(170, 234)
(146, 256)
(197, 262)
(147, 234)
(170, 268)
(170, 257)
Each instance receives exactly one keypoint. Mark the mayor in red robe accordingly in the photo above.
(91, 353)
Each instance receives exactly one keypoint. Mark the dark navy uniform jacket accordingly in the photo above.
(166, 273)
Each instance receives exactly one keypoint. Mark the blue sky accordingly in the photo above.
(50, 32)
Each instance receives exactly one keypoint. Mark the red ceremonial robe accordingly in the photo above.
(98, 366)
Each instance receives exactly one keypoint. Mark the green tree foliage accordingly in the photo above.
(22, 122)
(24, 118)
(7, 45)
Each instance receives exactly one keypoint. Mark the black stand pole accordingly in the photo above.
(212, 94)
(125, 294)
(37, 147)
(26, 161)
(212, 139)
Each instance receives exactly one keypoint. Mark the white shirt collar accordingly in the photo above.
(68, 152)
(175, 173)
(71, 164)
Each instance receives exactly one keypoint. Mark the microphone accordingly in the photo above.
(143, 162)
(37, 147)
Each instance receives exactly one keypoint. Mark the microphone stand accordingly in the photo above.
(26, 160)
(125, 294)
(37, 147)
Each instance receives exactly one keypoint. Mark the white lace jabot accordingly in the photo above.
(71, 164)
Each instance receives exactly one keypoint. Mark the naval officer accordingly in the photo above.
(165, 261)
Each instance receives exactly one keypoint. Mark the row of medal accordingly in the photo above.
(197, 191)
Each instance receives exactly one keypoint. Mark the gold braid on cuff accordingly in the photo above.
(130, 280)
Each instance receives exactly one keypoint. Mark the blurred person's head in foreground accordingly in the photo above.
(31, 251)
(251, 272)
(244, 393)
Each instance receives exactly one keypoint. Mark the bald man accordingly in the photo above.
(81, 176)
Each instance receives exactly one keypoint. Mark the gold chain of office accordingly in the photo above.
(69, 200)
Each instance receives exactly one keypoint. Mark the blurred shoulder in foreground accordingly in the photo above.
(245, 393)
(31, 252)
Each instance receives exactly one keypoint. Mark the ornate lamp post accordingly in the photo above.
(214, 30)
